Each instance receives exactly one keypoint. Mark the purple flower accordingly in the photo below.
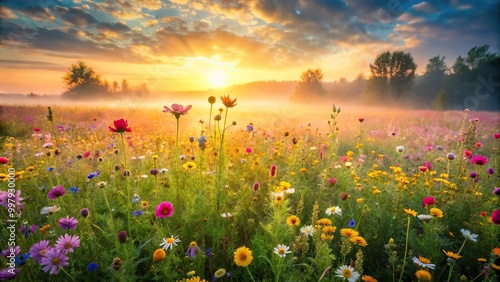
(56, 192)
(473, 174)
(67, 243)
(84, 212)
(479, 160)
(490, 171)
(53, 260)
(67, 223)
(450, 156)
(352, 223)
(496, 191)
(122, 236)
(9, 273)
(4, 200)
(38, 250)
(7, 252)
(192, 250)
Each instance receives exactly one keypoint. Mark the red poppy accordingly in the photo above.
(121, 126)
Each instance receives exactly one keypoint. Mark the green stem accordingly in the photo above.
(221, 160)
(129, 199)
(210, 123)
(406, 249)
(251, 277)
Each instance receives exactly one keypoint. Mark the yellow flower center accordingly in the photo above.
(55, 261)
(281, 251)
(347, 273)
(170, 240)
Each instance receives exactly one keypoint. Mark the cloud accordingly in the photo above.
(6, 13)
(20, 64)
(75, 16)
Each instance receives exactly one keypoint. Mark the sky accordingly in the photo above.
(181, 45)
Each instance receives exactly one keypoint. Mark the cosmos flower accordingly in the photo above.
(281, 250)
(347, 273)
(164, 209)
(169, 243)
(38, 250)
(67, 223)
(67, 243)
(243, 256)
(177, 110)
(121, 126)
(479, 160)
(56, 192)
(53, 260)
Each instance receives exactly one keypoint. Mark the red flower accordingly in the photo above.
(272, 171)
(479, 160)
(121, 126)
(164, 209)
(36, 129)
(177, 110)
(495, 216)
(429, 200)
(496, 135)
(3, 160)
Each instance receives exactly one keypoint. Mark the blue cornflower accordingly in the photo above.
(74, 189)
(250, 127)
(21, 259)
(137, 213)
(136, 198)
(50, 168)
(92, 266)
(93, 174)
(352, 223)
(202, 140)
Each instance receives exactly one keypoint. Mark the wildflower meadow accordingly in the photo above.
(223, 191)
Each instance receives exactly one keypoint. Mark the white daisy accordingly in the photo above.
(424, 217)
(226, 215)
(423, 262)
(307, 230)
(281, 250)
(169, 243)
(348, 273)
(334, 210)
(49, 210)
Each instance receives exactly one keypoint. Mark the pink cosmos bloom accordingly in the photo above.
(495, 217)
(177, 110)
(164, 209)
(56, 192)
(479, 160)
(67, 243)
(3, 160)
(67, 223)
(121, 126)
(53, 260)
(429, 200)
(38, 250)
(4, 200)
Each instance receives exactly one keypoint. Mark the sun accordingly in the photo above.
(217, 78)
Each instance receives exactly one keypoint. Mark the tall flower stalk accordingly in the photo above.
(410, 213)
(211, 100)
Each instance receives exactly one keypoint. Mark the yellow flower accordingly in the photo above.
(411, 212)
(293, 220)
(285, 185)
(483, 260)
(191, 273)
(358, 240)
(303, 169)
(329, 229)
(359, 200)
(326, 237)
(243, 256)
(30, 168)
(195, 279)
(368, 278)
(324, 221)
(494, 266)
(452, 255)
(436, 212)
(159, 255)
(348, 232)
(144, 204)
(189, 165)
(376, 191)
(423, 275)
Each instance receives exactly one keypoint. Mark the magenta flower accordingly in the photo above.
(429, 200)
(3, 160)
(495, 217)
(38, 250)
(256, 186)
(272, 171)
(53, 260)
(68, 223)
(67, 243)
(6, 252)
(16, 200)
(121, 126)
(496, 135)
(479, 160)
(122, 236)
(164, 209)
(177, 110)
(332, 181)
(496, 191)
(56, 192)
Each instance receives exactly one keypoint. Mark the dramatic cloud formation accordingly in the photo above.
(247, 40)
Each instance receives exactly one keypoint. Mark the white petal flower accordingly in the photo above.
(334, 210)
(348, 273)
(307, 230)
(281, 250)
(424, 217)
(468, 235)
(169, 243)
(423, 262)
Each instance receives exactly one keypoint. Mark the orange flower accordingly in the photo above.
(452, 255)
(496, 251)
(411, 212)
(159, 255)
(348, 232)
(368, 278)
(358, 240)
(293, 220)
(436, 212)
(228, 102)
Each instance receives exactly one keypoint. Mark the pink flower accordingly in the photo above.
(56, 192)
(53, 260)
(177, 110)
(495, 217)
(67, 243)
(496, 135)
(38, 250)
(479, 160)
(467, 154)
(3, 160)
(332, 181)
(121, 126)
(429, 200)
(164, 209)
(272, 172)
(248, 150)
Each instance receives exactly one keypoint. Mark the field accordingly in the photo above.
(229, 191)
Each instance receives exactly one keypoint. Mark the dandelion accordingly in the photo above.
(53, 260)
(423, 275)
(436, 212)
(164, 209)
(293, 220)
(281, 250)
(347, 273)
(67, 223)
(170, 243)
(243, 256)
(307, 230)
(334, 210)
(423, 262)
(121, 126)
(38, 250)
(67, 243)
(467, 235)
(159, 255)
(56, 192)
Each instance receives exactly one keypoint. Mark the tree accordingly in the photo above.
(436, 66)
(392, 73)
(310, 86)
(82, 81)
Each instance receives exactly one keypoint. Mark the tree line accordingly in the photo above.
(472, 82)
(82, 82)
